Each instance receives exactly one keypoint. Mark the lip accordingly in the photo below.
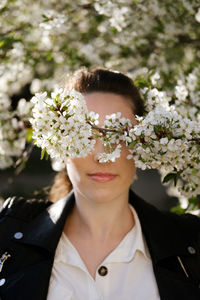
(102, 177)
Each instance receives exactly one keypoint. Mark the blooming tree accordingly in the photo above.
(167, 137)
(42, 41)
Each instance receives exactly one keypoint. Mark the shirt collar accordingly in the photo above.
(165, 233)
(124, 252)
(67, 253)
(130, 244)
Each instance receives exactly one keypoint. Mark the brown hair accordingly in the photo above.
(102, 80)
(61, 186)
(96, 80)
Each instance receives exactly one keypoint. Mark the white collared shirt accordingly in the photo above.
(129, 272)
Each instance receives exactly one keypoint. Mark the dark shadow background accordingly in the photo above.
(39, 174)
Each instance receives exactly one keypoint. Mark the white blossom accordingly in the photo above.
(154, 78)
(59, 124)
(5, 162)
(192, 81)
(54, 22)
(197, 16)
(107, 157)
(4, 102)
(181, 91)
(3, 3)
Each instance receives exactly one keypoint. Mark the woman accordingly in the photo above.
(100, 241)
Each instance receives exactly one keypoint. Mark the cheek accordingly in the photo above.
(73, 171)
(127, 164)
(124, 152)
(76, 169)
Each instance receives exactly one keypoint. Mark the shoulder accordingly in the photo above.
(184, 220)
(148, 212)
(186, 224)
(22, 208)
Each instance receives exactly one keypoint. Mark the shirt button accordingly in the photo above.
(191, 250)
(2, 281)
(103, 271)
(18, 235)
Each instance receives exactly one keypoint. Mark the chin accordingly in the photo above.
(97, 195)
(103, 195)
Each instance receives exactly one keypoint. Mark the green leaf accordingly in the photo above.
(171, 176)
(45, 18)
(132, 144)
(114, 30)
(178, 210)
(49, 56)
(193, 200)
(2, 43)
(46, 156)
(29, 134)
(56, 99)
(43, 153)
(157, 129)
(194, 171)
(141, 82)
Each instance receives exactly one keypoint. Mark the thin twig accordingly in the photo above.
(25, 156)
(103, 130)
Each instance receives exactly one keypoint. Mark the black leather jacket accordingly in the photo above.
(30, 231)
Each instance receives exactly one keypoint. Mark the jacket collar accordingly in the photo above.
(45, 230)
(163, 235)
(166, 234)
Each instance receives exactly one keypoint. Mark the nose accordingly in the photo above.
(98, 148)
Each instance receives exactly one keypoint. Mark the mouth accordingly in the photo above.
(102, 177)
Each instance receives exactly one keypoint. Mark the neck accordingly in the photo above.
(100, 221)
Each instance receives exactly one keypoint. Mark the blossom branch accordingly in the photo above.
(19, 164)
(104, 130)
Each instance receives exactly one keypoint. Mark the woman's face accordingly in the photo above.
(96, 181)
